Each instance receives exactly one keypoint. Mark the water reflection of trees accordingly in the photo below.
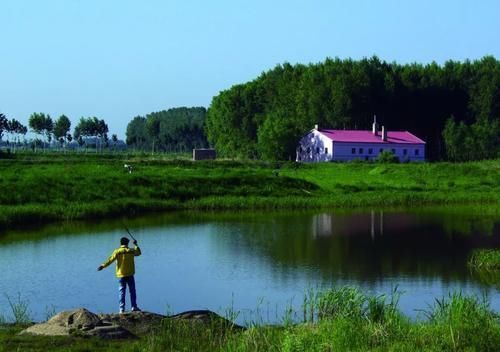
(367, 246)
(371, 245)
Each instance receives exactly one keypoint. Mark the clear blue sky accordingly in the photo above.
(116, 59)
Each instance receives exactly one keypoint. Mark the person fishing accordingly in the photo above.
(125, 270)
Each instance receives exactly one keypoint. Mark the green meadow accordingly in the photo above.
(39, 188)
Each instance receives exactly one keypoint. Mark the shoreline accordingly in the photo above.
(61, 188)
(342, 318)
(40, 215)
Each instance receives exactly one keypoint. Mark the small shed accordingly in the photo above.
(204, 154)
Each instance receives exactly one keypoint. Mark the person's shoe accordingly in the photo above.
(136, 309)
(122, 311)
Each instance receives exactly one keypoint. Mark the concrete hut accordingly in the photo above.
(204, 154)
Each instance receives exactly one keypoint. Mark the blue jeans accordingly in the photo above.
(124, 281)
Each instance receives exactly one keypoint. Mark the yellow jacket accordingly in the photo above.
(124, 257)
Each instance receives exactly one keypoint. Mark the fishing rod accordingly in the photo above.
(126, 229)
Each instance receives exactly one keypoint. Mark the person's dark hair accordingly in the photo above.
(124, 241)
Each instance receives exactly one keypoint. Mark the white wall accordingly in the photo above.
(343, 151)
(314, 147)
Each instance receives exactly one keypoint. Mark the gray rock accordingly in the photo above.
(206, 317)
(110, 332)
(81, 322)
(139, 323)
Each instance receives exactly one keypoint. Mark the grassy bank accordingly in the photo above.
(43, 188)
(485, 259)
(341, 319)
(485, 265)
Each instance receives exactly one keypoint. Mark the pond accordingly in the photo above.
(256, 264)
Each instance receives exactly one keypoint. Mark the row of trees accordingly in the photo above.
(480, 140)
(88, 129)
(177, 129)
(92, 127)
(266, 117)
(12, 127)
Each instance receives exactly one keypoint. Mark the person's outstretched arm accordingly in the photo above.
(110, 260)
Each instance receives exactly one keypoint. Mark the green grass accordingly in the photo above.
(341, 319)
(485, 266)
(485, 259)
(38, 188)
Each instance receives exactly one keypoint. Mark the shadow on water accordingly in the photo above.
(372, 245)
(363, 244)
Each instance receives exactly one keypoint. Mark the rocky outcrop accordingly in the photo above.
(81, 322)
(205, 317)
(78, 322)
(138, 323)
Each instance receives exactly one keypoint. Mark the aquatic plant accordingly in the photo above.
(485, 259)
(19, 308)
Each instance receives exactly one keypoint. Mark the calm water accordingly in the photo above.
(257, 263)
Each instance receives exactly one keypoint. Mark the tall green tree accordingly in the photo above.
(153, 128)
(277, 137)
(3, 125)
(480, 140)
(16, 128)
(137, 134)
(454, 135)
(61, 129)
(92, 127)
(101, 130)
(84, 129)
(41, 124)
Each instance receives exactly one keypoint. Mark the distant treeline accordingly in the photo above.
(177, 129)
(89, 132)
(266, 117)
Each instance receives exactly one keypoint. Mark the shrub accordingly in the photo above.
(386, 157)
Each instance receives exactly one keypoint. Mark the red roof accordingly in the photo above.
(402, 137)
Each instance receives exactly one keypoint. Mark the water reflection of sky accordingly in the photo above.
(263, 263)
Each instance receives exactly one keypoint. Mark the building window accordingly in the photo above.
(405, 151)
(353, 151)
(393, 151)
(381, 150)
(416, 151)
(326, 150)
(360, 150)
(370, 150)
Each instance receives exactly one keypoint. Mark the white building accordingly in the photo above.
(344, 145)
